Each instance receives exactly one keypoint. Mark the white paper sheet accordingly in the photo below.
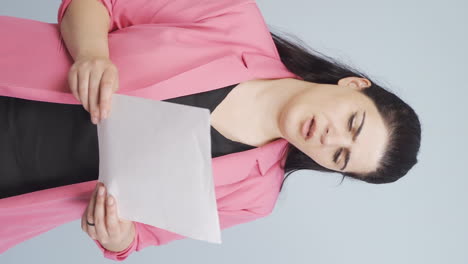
(155, 159)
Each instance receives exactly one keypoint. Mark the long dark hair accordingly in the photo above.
(400, 119)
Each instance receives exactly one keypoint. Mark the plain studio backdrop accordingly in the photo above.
(418, 49)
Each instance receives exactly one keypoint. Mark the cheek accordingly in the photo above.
(321, 156)
(289, 120)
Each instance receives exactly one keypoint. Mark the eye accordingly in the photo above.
(351, 121)
(350, 126)
(337, 154)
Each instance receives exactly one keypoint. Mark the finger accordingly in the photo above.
(99, 216)
(84, 225)
(83, 222)
(110, 107)
(112, 220)
(83, 82)
(93, 93)
(116, 88)
(73, 83)
(106, 90)
(116, 83)
(90, 213)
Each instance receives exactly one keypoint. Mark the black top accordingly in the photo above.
(45, 145)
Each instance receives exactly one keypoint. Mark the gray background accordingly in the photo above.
(415, 47)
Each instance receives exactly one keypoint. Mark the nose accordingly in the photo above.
(335, 137)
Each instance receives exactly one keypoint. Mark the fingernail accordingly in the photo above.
(94, 120)
(104, 115)
(110, 200)
(101, 191)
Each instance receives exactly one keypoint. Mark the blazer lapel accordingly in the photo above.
(261, 159)
(235, 69)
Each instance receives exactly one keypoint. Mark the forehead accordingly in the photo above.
(370, 145)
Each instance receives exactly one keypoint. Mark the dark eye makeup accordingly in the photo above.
(350, 127)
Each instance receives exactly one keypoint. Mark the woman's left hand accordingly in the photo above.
(113, 233)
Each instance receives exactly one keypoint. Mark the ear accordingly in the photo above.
(355, 83)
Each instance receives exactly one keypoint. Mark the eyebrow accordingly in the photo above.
(347, 152)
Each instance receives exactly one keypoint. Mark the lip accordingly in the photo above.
(306, 127)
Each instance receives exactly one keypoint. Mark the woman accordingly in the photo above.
(333, 118)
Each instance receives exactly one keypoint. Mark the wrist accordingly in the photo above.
(125, 243)
(89, 55)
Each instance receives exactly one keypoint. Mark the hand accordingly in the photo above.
(92, 81)
(113, 233)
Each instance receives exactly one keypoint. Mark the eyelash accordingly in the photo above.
(350, 125)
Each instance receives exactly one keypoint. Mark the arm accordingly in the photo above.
(247, 200)
(147, 235)
(84, 29)
(238, 203)
(93, 77)
(125, 13)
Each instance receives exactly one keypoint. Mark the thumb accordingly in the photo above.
(116, 84)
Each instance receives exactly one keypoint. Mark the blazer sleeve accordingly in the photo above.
(245, 201)
(147, 235)
(125, 13)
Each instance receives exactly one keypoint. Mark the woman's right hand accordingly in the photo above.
(93, 80)
(113, 233)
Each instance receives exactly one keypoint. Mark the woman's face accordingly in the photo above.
(349, 133)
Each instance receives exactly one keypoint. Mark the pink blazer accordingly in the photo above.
(163, 49)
